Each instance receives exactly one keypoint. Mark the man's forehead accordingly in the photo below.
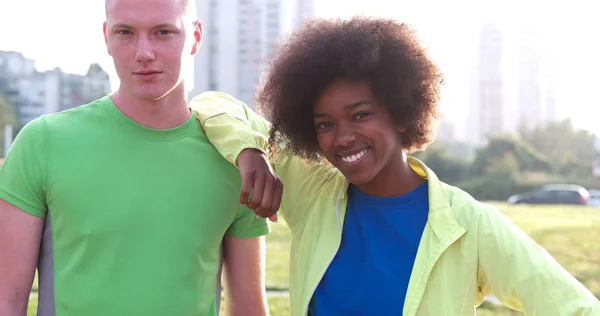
(173, 8)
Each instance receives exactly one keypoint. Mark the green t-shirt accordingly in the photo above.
(135, 216)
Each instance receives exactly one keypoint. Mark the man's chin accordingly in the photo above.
(151, 95)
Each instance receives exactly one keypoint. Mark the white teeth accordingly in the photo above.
(355, 157)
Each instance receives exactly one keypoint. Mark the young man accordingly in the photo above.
(104, 199)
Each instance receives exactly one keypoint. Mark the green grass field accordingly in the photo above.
(570, 234)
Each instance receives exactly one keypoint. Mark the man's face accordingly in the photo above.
(150, 41)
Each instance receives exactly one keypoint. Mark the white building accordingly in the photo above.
(446, 131)
(306, 10)
(39, 94)
(96, 83)
(16, 64)
(54, 91)
(238, 36)
(513, 81)
(13, 65)
(486, 100)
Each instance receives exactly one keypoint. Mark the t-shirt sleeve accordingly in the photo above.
(23, 173)
(246, 225)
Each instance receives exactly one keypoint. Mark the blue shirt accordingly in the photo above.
(370, 272)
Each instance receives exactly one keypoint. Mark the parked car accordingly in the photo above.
(594, 198)
(553, 194)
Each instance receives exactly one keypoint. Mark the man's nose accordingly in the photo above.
(144, 51)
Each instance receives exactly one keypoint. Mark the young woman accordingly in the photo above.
(374, 232)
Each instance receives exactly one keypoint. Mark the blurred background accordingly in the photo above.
(521, 114)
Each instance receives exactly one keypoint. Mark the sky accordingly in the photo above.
(51, 33)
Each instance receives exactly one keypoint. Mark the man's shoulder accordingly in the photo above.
(77, 114)
(67, 122)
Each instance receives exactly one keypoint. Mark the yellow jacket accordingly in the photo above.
(468, 249)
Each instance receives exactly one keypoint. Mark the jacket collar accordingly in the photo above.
(441, 217)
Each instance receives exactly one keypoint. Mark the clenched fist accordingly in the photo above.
(261, 188)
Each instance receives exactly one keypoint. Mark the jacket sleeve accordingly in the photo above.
(523, 275)
(231, 126)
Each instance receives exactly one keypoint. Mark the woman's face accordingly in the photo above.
(355, 131)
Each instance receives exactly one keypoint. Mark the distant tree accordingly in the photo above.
(508, 154)
(448, 167)
(459, 149)
(563, 144)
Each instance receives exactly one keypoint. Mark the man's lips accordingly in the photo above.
(147, 75)
(149, 72)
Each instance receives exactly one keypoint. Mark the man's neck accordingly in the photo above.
(168, 112)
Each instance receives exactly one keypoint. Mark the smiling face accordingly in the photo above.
(151, 41)
(356, 133)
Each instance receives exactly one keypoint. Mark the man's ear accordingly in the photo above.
(105, 31)
(197, 37)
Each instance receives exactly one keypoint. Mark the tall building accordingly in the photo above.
(536, 87)
(513, 81)
(238, 37)
(486, 100)
(446, 131)
(306, 10)
(530, 82)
